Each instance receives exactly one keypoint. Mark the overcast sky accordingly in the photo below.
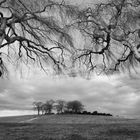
(116, 94)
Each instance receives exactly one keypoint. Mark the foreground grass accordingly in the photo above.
(75, 128)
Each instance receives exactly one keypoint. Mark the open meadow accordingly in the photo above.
(69, 127)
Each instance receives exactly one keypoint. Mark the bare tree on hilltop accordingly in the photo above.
(48, 106)
(74, 107)
(37, 106)
(60, 106)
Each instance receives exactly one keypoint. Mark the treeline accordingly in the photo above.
(63, 107)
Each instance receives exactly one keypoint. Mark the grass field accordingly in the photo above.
(69, 127)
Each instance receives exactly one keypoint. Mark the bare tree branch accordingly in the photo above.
(112, 33)
(35, 29)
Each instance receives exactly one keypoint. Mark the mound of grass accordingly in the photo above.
(71, 128)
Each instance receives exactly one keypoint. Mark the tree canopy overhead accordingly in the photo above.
(112, 34)
(45, 32)
(35, 31)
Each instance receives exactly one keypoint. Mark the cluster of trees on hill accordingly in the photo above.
(63, 107)
(60, 106)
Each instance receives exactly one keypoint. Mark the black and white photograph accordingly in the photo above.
(69, 69)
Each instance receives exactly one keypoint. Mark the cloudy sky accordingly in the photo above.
(116, 94)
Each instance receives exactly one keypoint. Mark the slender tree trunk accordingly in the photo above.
(38, 112)
(61, 111)
(2, 30)
(2, 35)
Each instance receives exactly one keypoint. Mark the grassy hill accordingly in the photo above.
(69, 127)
